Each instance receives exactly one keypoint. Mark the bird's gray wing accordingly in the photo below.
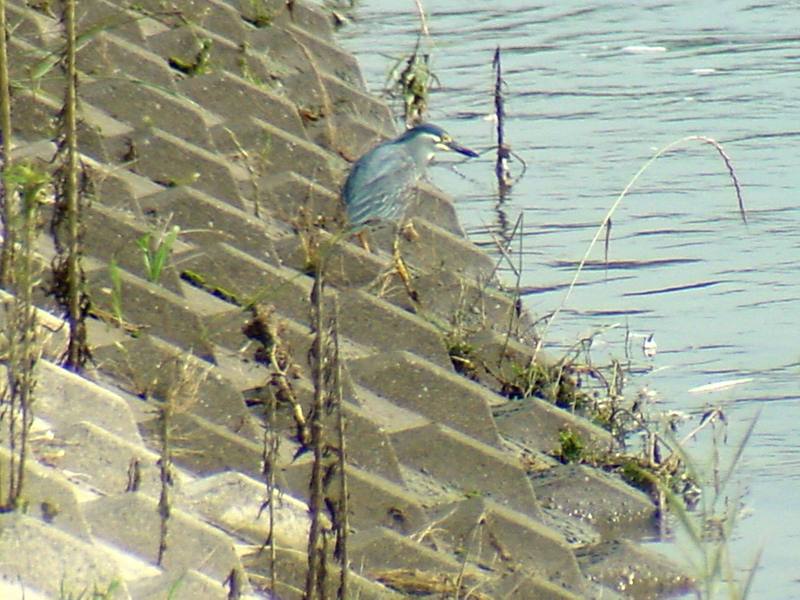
(379, 185)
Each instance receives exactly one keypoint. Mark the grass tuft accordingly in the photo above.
(156, 250)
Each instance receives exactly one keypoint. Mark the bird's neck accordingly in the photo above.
(422, 158)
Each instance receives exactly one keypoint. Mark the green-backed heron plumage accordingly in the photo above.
(382, 183)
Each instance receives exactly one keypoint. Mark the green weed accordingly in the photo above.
(199, 65)
(155, 252)
(23, 345)
(571, 446)
(108, 592)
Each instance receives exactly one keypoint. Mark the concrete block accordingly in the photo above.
(109, 54)
(121, 189)
(290, 574)
(438, 394)
(634, 571)
(180, 44)
(373, 500)
(334, 62)
(347, 264)
(163, 372)
(30, 25)
(46, 494)
(378, 325)
(111, 234)
(356, 135)
(188, 585)
(291, 198)
(236, 331)
(152, 307)
(64, 398)
(536, 424)
(223, 266)
(205, 221)
(225, 93)
(171, 161)
(269, 148)
(238, 504)
(205, 448)
(363, 319)
(102, 137)
(111, 18)
(146, 106)
(131, 522)
(28, 66)
(107, 463)
(349, 99)
(54, 333)
(605, 502)
(43, 559)
(469, 467)
(436, 249)
(35, 115)
(368, 446)
(379, 549)
(507, 541)
(522, 586)
(435, 206)
(220, 17)
(466, 303)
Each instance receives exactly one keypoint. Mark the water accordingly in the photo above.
(592, 93)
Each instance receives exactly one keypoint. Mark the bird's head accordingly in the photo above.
(425, 139)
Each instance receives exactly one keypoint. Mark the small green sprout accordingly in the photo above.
(156, 259)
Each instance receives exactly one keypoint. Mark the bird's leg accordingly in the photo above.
(409, 232)
(400, 269)
(362, 238)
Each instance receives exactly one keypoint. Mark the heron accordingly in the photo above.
(382, 183)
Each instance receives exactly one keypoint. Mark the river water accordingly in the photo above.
(593, 90)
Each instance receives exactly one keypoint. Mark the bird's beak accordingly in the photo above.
(456, 147)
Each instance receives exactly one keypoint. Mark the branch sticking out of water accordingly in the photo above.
(606, 223)
(501, 166)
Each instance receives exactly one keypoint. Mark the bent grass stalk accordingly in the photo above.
(607, 219)
(316, 535)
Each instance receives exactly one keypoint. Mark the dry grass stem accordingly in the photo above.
(342, 519)
(474, 544)
(10, 206)
(315, 534)
(423, 21)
